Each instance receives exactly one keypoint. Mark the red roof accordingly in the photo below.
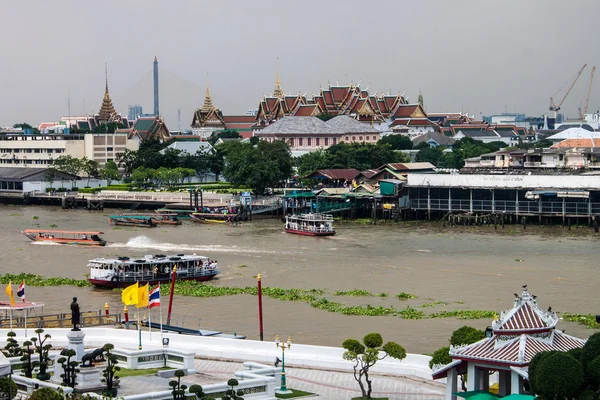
(405, 111)
(305, 110)
(239, 118)
(327, 97)
(524, 318)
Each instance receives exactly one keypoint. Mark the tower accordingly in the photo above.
(107, 111)
(156, 111)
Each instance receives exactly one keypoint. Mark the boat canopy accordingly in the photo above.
(536, 194)
(299, 195)
(67, 232)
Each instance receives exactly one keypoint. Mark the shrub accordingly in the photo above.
(591, 349)
(440, 357)
(50, 189)
(6, 390)
(559, 376)
(592, 374)
(45, 394)
(576, 353)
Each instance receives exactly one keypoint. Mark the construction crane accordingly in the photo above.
(587, 98)
(556, 107)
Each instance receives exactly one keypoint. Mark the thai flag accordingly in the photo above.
(21, 291)
(154, 299)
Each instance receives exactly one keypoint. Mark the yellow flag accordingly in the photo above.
(142, 296)
(10, 294)
(130, 295)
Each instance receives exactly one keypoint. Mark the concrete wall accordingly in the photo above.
(505, 181)
(300, 355)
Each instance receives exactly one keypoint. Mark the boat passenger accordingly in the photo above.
(95, 238)
(84, 237)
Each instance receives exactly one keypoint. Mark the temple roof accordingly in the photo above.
(208, 104)
(107, 110)
(518, 334)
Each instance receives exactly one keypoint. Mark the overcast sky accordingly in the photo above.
(473, 55)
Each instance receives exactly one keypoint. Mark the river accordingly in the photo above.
(465, 267)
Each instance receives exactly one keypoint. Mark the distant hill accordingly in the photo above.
(174, 93)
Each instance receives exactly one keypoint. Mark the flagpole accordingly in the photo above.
(139, 330)
(149, 323)
(11, 312)
(25, 322)
(160, 312)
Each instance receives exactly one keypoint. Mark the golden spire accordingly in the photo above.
(278, 92)
(107, 110)
(208, 104)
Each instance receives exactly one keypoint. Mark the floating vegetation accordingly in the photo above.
(36, 217)
(584, 319)
(405, 296)
(15, 215)
(38, 280)
(464, 314)
(358, 292)
(52, 225)
(411, 313)
(435, 303)
(242, 266)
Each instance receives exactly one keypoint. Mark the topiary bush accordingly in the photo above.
(558, 376)
(533, 364)
(466, 335)
(592, 374)
(440, 357)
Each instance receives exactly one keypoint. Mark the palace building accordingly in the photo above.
(209, 119)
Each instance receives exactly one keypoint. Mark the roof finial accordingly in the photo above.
(278, 92)
(106, 75)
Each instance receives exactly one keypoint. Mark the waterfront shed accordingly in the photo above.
(29, 179)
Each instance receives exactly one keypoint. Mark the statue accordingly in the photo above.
(75, 314)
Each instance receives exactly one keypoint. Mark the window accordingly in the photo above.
(317, 142)
(334, 141)
(300, 140)
(326, 141)
(37, 150)
(309, 142)
(109, 149)
(360, 138)
(16, 150)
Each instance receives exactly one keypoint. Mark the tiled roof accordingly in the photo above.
(574, 133)
(581, 143)
(408, 166)
(312, 125)
(190, 147)
(239, 119)
(345, 124)
(437, 137)
(144, 124)
(337, 174)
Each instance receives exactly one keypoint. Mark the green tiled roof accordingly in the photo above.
(143, 125)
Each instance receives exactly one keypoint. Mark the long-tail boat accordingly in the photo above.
(83, 238)
(160, 219)
(132, 220)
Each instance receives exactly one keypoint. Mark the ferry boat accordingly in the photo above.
(310, 224)
(65, 237)
(132, 220)
(124, 271)
(206, 218)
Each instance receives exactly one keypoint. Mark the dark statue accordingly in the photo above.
(75, 314)
(88, 358)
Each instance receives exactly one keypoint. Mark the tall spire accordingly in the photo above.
(107, 110)
(278, 92)
(208, 104)
(420, 98)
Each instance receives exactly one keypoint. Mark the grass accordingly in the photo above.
(139, 372)
(294, 393)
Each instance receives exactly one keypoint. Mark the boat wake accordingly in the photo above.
(46, 243)
(144, 242)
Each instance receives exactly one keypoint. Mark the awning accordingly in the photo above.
(536, 194)
(299, 195)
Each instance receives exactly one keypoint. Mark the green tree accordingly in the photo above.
(312, 161)
(226, 134)
(110, 127)
(68, 164)
(591, 349)
(24, 125)
(440, 357)
(109, 372)
(257, 167)
(429, 154)
(398, 142)
(231, 393)
(90, 168)
(178, 391)
(558, 376)
(366, 354)
(42, 349)
(466, 335)
(325, 116)
(140, 176)
(8, 388)
(592, 374)
(186, 173)
(128, 160)
(110, 172)
(70, 370)
(45, 394)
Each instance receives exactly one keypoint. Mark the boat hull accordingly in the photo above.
(101, 283)
(305, 233)
(129, 223)
(76, 242)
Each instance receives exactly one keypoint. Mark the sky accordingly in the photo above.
(476, 56)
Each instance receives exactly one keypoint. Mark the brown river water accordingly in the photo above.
(468, 268)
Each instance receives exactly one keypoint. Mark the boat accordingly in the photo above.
(180, 214)
(159, 219)
(83, 238)
(310, 224)
(132, 220)
(125, 271)
(203, 220)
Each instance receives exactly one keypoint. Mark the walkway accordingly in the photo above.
(329, 385)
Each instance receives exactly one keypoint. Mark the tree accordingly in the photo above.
(42, 349)
(257, 167)
(25, 125)
(141, 175)
(325, 116)
(110, 370)
(558, 376)
(110, 172)
(440, 357)
(8, 388)
(592, 374)
(68, 164)
(312, 161)
(226, 134)
(69, 366)
(45, 394)
(109, 127)
(398, 142)
(231, 393)
(178, 391)
(366, 354)
(90, 168)
(466, 335)
(128, 160)
(429, 154)
(591, 349)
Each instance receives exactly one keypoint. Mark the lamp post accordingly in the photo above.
(283, 347)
